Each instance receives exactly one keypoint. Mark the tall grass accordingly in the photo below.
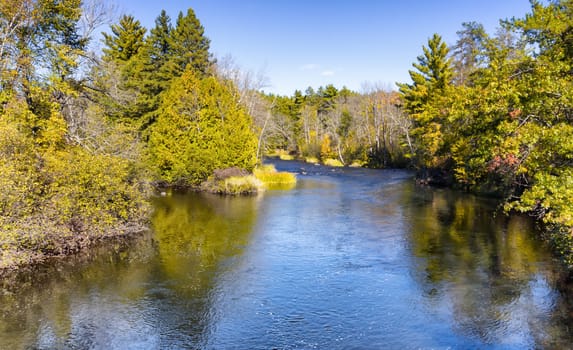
(270, 177)
(234, 185)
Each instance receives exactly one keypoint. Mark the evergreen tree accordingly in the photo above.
(432, 75)
(146, 71)
(200, 127)
(468, 52)
(188, 46)
(125, 40)
(423, 100)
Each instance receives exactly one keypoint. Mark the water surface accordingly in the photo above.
(349, 259)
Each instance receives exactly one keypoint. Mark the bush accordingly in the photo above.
(57, 200)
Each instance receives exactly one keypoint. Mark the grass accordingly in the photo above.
(281, 154)
(333, 162)
(357, 164)
(242, 185)
(234, 185)
(286, 157)
(311, 160)
(272, 178)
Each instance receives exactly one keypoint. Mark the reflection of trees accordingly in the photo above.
(40, 309)
(480, 264)
(194, 232)
(153, 286)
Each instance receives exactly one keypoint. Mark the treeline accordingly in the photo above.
(336, 127)
(84, 135)
(494, 114)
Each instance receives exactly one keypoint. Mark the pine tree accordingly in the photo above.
(433, 74)
(423, 100)
(146, 71)
(189, 46)
(125, 40)
(468, 52)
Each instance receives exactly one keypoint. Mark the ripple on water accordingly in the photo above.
(349, 259)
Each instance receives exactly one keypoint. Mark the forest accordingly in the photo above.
(87, 136)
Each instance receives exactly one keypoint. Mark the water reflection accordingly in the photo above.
(150, 294)
(483, 270)
(349, 258)
(194, 232)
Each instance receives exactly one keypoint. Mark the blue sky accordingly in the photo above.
(298, 43)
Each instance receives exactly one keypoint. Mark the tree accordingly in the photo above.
(189, 47)
(125, 40)
(60, 191)
(432, 75)
(200, 127)
(423, 100)
(468, 52)
(146, 71)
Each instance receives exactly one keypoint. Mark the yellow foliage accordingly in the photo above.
(270, 176)
(55, 196)
(325, 148)
(333, 162)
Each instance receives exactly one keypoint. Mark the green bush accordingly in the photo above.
(57, 198)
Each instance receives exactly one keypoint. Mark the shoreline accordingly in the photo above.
(82, 244)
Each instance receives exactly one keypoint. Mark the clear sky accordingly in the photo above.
(299, 43)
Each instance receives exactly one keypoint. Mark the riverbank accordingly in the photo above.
(60, 244)
(370, 239)
(41, 238)
(550, 216)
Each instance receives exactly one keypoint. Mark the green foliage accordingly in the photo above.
(425, 100)
(57, 198)
(125, 40)
(201, 127)
(367, 128)
(70, 164)
(189, 48)
(506, 127)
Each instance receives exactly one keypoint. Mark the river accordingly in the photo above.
(348, 259)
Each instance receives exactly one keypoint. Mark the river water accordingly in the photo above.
(348, 259)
